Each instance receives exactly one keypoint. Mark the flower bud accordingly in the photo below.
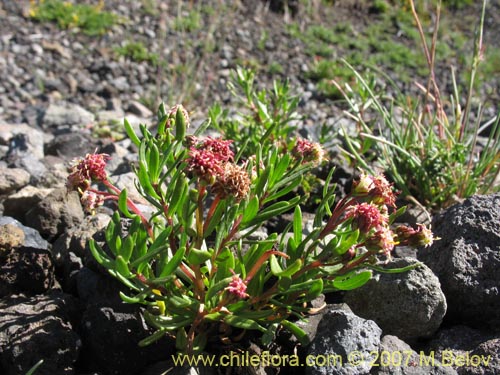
(422, 236)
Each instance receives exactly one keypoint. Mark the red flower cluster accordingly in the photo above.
(84, 171)
(308, 151)
(377, 188)
(366, 216)
(422, 236)
(212, 161)
(237, 287)
(383, 239)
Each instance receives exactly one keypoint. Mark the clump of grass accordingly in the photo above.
(430, 148)
(90, 19)
(137, 51)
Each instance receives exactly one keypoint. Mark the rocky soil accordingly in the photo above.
(60, 88)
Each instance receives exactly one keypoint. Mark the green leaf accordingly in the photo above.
(154, 162)
(121, 266)
(284, 283)
(131, 133)
(35, 367)
(298, 332)
(197, 257)
(158, 335)
(123, 204)
(99, 255)
(280, 169)
(395, 270)
(352, 280)
(144, 181)
(128, 247)
(269, 335)
(178, 195)
(181, 340)
(262, 181)
(315, 290)
(396, 214)
(346, 242)
(180, 125)
(147, 257)
(297, 225)
(244, 323)
(250, 210)
(173, 263)
(216, 288)
(129, 299)
(215, 219)
(274, 210)
(224, 262)
(162, 121)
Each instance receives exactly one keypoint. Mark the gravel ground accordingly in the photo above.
(42, 64)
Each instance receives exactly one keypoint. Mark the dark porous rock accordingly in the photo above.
(488, 353)
(16, 205)
(94, 287)
(397, 357)
(31, 236)
(343, 344)
(35, 328)
(111, 334)
(12, 179)
(71, 145)
(409, 305)
(56, 213)
(467, 259)
(26, 270)
(75, 239)
(467, 350)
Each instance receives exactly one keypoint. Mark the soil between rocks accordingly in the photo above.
(40, 63)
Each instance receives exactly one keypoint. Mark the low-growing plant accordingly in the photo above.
(194, 264)
(137, 51)
(266, 116)
(91, 19)
(429, 148)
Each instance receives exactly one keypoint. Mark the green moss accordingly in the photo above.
(90, 19)
(137, 51)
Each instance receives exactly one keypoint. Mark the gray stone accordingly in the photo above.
(66, 115)
(30, 164)
(31, 236)
(467, 260)
(343, 344)
(71, 145)
(12, 179)
(139, 109)
(33, 138)
(56, 213)
(16, 205)
(415, 295)
(396, 357)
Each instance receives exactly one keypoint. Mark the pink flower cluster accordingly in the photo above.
(308, 151)
(371, 217)
(84, 171)
(212, 161)
(237, 287)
